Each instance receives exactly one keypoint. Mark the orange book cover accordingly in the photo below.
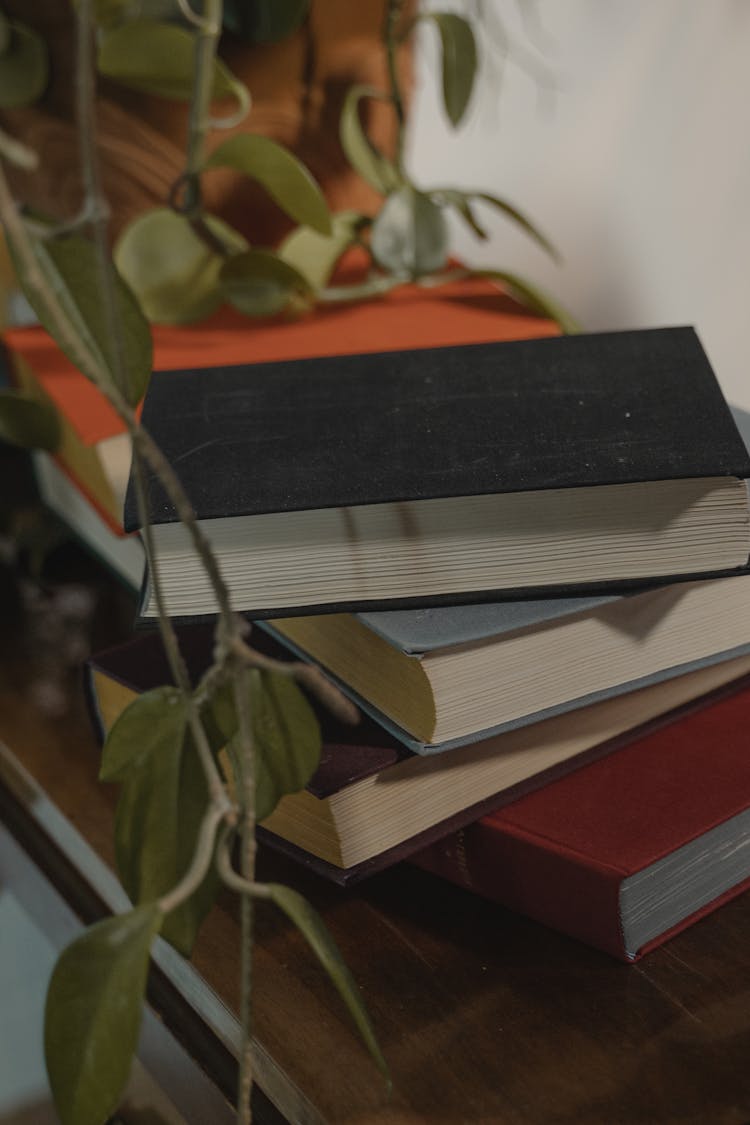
(471, 311)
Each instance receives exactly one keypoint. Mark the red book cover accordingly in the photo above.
(564, 854)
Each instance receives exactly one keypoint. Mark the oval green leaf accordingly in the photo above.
(283, 176)
(363, 156)
(154, 723)
(533, 297)
(27, 422)
(459, 55)
(260, 283)
(519, 218)
(72, 271)
(157, 58)
(287, 739)
(410, 235)
(93, 1014)
(265, 21)
(174, 273)
(311, 925)
(180, 927)
(157, 823)
(315, 255)
(24, 66)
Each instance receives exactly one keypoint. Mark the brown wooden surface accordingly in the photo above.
(484, 1017)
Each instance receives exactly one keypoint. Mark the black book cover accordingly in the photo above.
(571, 411)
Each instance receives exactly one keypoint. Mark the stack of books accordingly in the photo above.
(528, 563)
(526, 559)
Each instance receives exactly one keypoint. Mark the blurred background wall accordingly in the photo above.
(622, 128)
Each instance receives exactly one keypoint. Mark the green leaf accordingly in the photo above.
(363, 156)
(315, 255)
(174, 273)
(27, 422)
(181, 925)
(533, 297)
(71, 269)
(154, 721)
(222, 715)
(518, 217)
(157, 58)
(451, 197)
(93, 1014)
(159, 814)
(459, 51)
(311, 925)
(24, 66)
(283, 176)
(260, 283)
(410, 236)
(265, 21)
(287, 739)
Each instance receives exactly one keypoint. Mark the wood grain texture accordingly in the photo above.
(483, 1016)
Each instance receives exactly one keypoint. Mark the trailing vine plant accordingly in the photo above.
(178, 815)
(185, 821)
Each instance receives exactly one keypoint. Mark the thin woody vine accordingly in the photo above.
(199, 764)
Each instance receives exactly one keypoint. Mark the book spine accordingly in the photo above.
(534, 877)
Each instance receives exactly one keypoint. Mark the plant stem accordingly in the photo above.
(208, 29)
(392, 17)
(95, 204)
(309, 675)
(247, 869)
(204, 850)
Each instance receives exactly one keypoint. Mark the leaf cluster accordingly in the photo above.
(97, 990)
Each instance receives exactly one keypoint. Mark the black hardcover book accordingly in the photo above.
(450, 474)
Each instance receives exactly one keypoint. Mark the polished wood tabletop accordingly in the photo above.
(483, 1016)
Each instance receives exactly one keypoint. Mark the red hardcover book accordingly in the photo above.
(628, 850)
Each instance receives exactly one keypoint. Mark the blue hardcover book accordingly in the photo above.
(444, 676)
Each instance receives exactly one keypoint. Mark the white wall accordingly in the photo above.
(637, 163)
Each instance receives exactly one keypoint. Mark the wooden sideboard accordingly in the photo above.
(483, 1016)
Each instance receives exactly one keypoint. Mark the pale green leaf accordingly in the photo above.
(24, 66)
(316, 255)
(265, 21)
(410, 235)
(157, 58)
(533, 297)
(27, 422)
(71, 269)
(459, 51)
(363, 156)
(283, 176)
(518, 217)
(311, 925)
(154, 723)
(157, 822)
(174, 273)
(93, 1014)
(260, 283)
